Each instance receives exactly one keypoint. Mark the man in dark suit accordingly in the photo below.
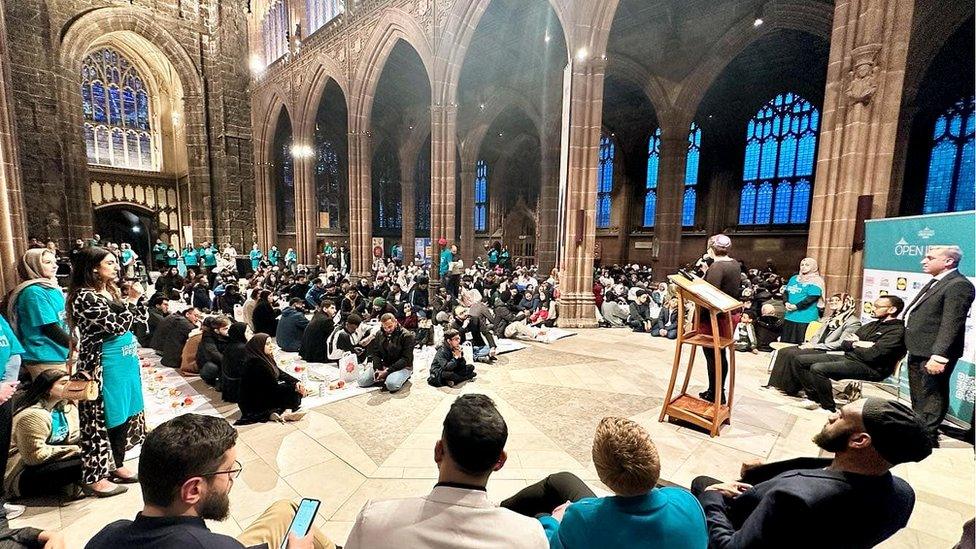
(854, 502)
(935, 323)
(871, 353)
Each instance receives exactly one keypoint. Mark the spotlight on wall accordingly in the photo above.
(136, 230)
(548, 38)
(257, 65)
(582, 54)
(302, 151)
(758, 21)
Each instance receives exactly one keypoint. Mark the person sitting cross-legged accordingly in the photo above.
(854, 502)
(391, 353)
(187, 468)
(448, 366)
(291, 326)
(639, 513)
(457, 513)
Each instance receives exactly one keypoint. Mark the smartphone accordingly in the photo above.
(302, 522)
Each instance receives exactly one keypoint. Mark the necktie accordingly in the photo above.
(921, 294)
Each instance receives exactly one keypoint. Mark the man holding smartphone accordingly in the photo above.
(186, 470)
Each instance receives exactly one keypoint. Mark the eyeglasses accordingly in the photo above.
(235, 472)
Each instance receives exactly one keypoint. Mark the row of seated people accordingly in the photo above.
(189, 464)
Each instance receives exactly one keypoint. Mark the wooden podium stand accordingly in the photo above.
(720, 306)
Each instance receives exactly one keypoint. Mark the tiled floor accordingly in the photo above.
(552, 396)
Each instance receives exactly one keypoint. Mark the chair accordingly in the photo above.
(812, 330)
(853, 389)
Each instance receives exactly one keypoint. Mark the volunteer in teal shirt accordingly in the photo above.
(36, 309)
(122, 391)
(209, 257)
(273, 254)
(803, 294)
(191, 256)
(10, 352)
(256, 256)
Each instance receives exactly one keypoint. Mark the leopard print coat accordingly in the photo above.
(97, 319)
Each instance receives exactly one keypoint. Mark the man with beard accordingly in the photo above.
(854, 501)
(187, 469)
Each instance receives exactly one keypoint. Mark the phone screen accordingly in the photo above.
(302, 522)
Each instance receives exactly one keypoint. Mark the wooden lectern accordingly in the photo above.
(715, 334)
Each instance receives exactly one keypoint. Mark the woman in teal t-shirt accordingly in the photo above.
(803, 294)
(36, 308)
(107, 355)
(256, 256)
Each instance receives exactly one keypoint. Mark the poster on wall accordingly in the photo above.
(893, 252)
(422, 252)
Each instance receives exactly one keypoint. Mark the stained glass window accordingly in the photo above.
(284, 170)
(320, 12)
(422, 182)
(481, 197)
(605, 183)
(115, 105)
(691, 176)
(950, 183)
(387, 215)
(328, 184)
(781, 143)
(650, 185)
(274, 31)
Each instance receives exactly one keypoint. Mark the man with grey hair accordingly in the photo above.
(935, 323)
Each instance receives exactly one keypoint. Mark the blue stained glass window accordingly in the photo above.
(285, 189)
(950, 183)
(328, 187)
(122, 113)
(422, 179)
(605, 183)
(481, 196)
(691, 176)
(387, 215)
(653, 163)
(780, 152)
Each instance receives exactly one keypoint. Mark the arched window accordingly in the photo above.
(422, 182)
(387, 214)
(690, 199)
(119, 128)
(777, 180)
(274, 31)
(320, 12)
(284, 170)
(605, 184)
(481, 197)
(950, 184)
(328, 184)
(650, 185)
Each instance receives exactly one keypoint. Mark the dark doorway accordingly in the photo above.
(121, 224)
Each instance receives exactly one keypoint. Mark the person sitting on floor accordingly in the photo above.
(186, 469)
(232, 364)
(854, 502)
(448, 367)
(768, 327)
(391, 355)
(45, 457)
(188, 358)
(640, 319)
(871, 353)
(291, 326)
(457, 513)
(482, 342)
(345, 339)
(409, 319)
(264, 319)
(843, 321)
(314, 346)
(171, 335)
(210, 353)
(511, 322)
(267, 393)
(158, 310)
(667, 321)
(627, 461)
(744, 334)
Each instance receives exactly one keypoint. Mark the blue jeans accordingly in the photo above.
(482, 351)
(394, 381)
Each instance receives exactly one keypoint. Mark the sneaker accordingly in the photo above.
(12, 510)
(297, 415)
(807, 404)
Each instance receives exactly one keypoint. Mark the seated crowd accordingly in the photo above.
(70, 439)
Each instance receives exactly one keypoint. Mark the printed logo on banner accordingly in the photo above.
(901, 283)
(869, 281)
(885, 282)
(902, 247)
(965, 387)
(926, 233)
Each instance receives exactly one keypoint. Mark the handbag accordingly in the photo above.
(81, 389)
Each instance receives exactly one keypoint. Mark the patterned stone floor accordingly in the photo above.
(552, 396)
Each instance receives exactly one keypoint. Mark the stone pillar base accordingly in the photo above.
(577, 310)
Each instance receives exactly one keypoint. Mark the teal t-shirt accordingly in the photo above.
(209, 257)
(60, 430)
(273, 256)
(37, 306)
(121, 383)
(9, 345)
(291, 256)
(126, 256)
(172, 258)
(190, 258)
(796, 292)
(255, 258)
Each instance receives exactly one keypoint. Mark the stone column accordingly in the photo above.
(11, 200)
(306, 214)
(670, 195)
(466, 244)
(548, 205)
(443, 153)
(360, 202)
(865, 76)
(579, 231)
(408, 208)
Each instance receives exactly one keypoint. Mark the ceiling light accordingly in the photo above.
(547, 38)
(757, 22)
(257, 65)
(582, 54)
(759, 16)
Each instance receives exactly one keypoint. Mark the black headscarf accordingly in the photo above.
(255, 349)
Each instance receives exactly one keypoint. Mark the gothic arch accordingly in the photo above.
(326, 69)
(462, 23)
(626, 68)
(265, 206)
(498, 104)
(395, 25)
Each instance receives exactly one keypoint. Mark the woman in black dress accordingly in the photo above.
(267, 393)
(265, 317)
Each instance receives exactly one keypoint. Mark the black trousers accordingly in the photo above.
(6, 425)
(48, 478)
(784, 375)
(930, 393)
(117, 437)
(547, 494)
(457, 376)
(710, 361)
(816, 371)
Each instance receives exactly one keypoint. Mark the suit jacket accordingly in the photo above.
(937, 324)
(448, 518)
(888, 348)
(827, 340)
(810, 508)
